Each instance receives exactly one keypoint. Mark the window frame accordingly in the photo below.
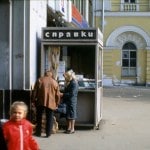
(129, 6)
(130, 69)
(130, 1)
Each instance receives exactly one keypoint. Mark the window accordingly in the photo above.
(129, 1)
(129, 60)
(129, 5)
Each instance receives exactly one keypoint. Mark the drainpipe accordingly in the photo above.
(94, 12)
(103, 10)
(24, 43)
(10, 50)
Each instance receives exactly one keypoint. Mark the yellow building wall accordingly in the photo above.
(148, 67)
(112, 23)
(115, 5)
(112, 58)
(141, 66)
(108, 63)
(116, 66)
(112, 64)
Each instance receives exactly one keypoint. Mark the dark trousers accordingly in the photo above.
(49, 120)
(2, 140)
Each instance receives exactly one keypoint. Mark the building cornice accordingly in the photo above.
(115, 48)
(127, 14)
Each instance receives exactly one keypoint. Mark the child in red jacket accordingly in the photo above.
(18, 131)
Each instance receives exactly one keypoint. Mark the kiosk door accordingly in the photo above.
(98, 89)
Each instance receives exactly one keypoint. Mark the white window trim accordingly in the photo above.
(122, 5)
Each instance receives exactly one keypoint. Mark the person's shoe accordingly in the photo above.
(66, 131)
(70, 132)
(37, 134)
(48, 135)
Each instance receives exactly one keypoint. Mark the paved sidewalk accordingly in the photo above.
(125, 124)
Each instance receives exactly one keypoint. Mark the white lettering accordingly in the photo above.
(54, 34)
(90, 34)
(68, 34)
(47, 34)
(83, 34)
(76, 34)
(61, 34)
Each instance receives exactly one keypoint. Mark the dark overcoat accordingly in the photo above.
(70, 98)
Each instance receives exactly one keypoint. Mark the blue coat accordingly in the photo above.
(70, 98)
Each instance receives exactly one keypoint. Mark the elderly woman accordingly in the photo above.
(70, 98)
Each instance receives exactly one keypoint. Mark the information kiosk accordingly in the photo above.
(81, 51)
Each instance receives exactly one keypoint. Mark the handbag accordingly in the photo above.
(61, 108)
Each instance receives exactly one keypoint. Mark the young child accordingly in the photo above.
(18, 130)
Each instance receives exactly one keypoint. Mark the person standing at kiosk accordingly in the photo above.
(46, 96)
(70, 98)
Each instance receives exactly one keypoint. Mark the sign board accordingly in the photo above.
(73, 34)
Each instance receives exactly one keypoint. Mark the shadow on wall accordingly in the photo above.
(7, 98)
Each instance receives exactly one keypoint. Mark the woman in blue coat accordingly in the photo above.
(70, 98)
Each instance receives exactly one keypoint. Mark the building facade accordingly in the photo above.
(21, 25)
(126, 55)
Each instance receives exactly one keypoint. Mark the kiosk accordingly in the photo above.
(81, 51)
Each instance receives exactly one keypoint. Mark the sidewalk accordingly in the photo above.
(125, 124)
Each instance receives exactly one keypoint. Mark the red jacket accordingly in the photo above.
(18, 135)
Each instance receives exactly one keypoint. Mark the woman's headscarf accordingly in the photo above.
(69, 75)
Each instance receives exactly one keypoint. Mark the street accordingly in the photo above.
(124, 126)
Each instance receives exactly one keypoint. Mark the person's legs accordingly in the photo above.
(71, 115)
(68, 124)
(72, 125)
(49, 121)
(39, 112)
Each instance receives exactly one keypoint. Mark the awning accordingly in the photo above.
(78, 19)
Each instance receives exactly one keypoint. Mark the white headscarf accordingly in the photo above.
(69, 75)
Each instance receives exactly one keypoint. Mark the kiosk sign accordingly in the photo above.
(69, 34)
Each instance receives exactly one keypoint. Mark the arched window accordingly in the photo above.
(129, 56)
